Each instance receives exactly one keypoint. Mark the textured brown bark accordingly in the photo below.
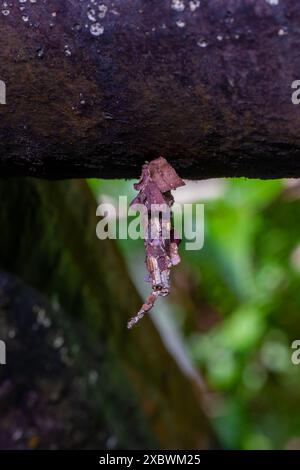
(210, 89)
(140, 398)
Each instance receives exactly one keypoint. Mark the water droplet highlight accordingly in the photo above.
(96, 29)
(177, 5)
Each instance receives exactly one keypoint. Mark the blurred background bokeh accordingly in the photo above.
(209, 367)
(234, 309)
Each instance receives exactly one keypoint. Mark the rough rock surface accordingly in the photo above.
(95, 89)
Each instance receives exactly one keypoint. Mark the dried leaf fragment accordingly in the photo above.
(161, 243)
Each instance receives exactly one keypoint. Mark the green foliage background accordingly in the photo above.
(237, 303)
